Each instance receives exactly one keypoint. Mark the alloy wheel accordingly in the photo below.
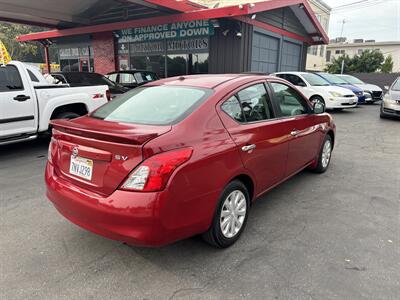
(233, 214)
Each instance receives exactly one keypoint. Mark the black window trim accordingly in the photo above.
(19, 76)
(276, 104)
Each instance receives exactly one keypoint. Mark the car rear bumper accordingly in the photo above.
(134, 218)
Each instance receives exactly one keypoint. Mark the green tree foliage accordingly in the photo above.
(30, 52)
(387, 66)
(368, 62)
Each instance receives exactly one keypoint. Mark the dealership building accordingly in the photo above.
(171, 37)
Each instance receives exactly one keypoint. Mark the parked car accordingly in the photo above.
(132, 78)
(75, 79)
(374, 92)
(390, 106)
(184, 156)
(315, 88)
(335, 80)
(28, 102)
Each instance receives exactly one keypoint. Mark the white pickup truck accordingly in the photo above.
(28, 102)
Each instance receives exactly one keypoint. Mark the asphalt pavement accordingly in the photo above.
(329, 236)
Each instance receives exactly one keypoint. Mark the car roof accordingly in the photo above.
(293, 72)
(208, 80)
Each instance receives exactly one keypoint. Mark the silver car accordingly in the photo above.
(391, 101)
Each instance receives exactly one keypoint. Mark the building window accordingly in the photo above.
(321, 51)
(313, 50)
(360, 51)
(340, 52)
(328, 55)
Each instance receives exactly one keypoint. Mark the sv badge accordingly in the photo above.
(121, 157)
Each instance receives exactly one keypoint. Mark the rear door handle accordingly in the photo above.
(294, 133)
(21, 98)
(248, 147)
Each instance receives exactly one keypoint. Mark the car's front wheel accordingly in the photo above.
(325, 155)
(230, 216)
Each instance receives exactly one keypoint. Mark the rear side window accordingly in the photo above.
(289, 101)
(232, 108)
(32, 76)
(155, 105)
(10, 80)
(126, 78)
(253, 101)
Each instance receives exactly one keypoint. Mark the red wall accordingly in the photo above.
(104, 52)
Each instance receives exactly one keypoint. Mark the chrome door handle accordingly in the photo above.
(294, 133)
(248, 147)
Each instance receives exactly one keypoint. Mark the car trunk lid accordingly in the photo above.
(98, 155)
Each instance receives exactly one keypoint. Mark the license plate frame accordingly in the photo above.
(81, 167)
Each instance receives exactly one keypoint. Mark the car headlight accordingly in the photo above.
(336, 94)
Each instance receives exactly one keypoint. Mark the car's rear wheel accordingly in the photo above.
(230, 216)
(325, 155)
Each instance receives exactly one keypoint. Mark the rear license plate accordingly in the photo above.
(81, 167)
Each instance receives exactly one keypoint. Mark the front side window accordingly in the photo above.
(154, 105)
(10, 80)
(289, 101)
(144, 77)
(253, 101)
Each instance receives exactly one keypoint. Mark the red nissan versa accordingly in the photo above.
(184, 156)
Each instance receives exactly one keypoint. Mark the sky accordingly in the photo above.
(369, 19)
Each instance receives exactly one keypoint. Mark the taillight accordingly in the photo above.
(153, 174)
(52, 148)
(108, 95)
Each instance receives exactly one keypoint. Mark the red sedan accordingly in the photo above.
(184, 156)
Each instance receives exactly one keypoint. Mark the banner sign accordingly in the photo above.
(178, 30)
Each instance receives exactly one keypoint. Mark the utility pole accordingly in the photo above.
(343, 22)
(342, 70)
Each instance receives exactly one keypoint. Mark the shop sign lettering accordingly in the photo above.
(178, 30)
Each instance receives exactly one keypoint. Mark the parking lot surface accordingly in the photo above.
(329, 236)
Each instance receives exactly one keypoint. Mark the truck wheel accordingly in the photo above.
(67, 115)
(230, 216)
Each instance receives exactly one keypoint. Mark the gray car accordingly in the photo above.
(391, 101)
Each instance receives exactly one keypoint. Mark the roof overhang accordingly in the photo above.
(187, 11)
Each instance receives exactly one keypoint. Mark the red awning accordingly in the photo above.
(175, 11)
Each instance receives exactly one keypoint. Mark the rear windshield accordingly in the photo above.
(154, 105)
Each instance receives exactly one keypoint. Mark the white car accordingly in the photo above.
(28, 102)
(372, 92)
(318, 89)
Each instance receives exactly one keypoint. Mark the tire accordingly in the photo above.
(67, 115)
(318, 99)
(381, 114)
(323, 164)
(224, 233)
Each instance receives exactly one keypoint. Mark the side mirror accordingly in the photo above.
(318, 107)
(386, 87)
